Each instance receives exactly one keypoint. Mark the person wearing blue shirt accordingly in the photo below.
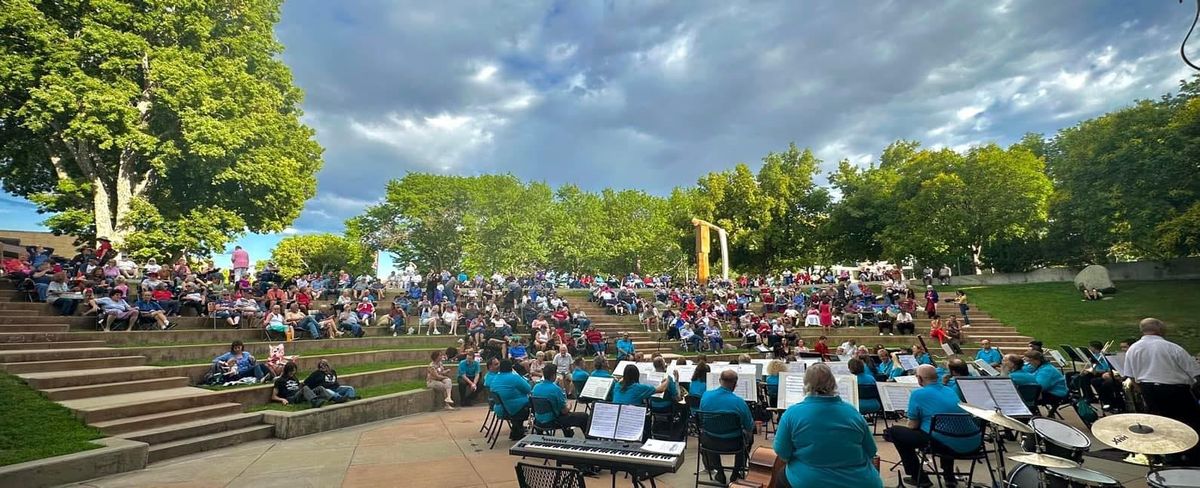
(149, 307)
(922, 355)
(931, 399)
(1052, 381)
(624, 347)
(243, 364)
(884, 370)
(988, 354)
(698, 385)
(670, 395)
(955, 367)
(517, 351)
(897, 369)
(773, 369)
(493, 365)
(823, 440)
(579, 375)
(1100, 378)
(859, 370)
(722, 399)
(468, 379)
(513, 391)
(558, 401)
(630, 392)
(1014, 366)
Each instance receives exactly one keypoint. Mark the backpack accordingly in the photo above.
(1086, 413)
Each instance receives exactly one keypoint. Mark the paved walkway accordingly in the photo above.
(442, 449)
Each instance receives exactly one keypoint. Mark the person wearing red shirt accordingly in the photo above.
(596, 339)
(303, 299)
(166, 300)
(561, 318)
(821, 347)
(275, 296)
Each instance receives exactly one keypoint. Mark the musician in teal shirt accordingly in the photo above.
(931, 399)
(624, 347)
(988, 354)
(600, 367)
(1014, 365)
(699, 378)
(670, 395)
(630, 392)
(859, 370)
(513, 390)
(922, 355)
(722, 399)
(1052, 381)
(558, 401)
(823, 440)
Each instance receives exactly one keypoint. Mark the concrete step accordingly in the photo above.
(111, 407)
(195, 428)
(70, 378)
(35, 327)
(23, 313)
(47, 319)
(73, 364)
(104, 389)
(209, 442)
(17, 346)
(20, 356)
(23, 305)
(168, 418)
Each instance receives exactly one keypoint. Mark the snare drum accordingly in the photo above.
(1026, 476)
(1174, 478)
(1058, 439)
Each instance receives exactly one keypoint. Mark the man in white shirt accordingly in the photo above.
(1164, 373)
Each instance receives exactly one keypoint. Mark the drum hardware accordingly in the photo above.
(1044, 460)
(995, 419)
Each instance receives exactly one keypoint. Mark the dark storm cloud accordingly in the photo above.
(652, 95)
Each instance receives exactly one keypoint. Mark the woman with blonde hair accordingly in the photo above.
(773, 369)
(824, 440)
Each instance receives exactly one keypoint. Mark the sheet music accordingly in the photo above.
(746, 388)
(797, 366)
(1117, 361)
(844, 357)
(894, 396)
(987, 368)
(907, 361)
(1084, 354)
(949, 350)
(908, 380)
(838, 367)
(685, 371)
(597, 387)
(604, 420)
(664, 447)
(643, 368)
(631, 423)
(1058, 357)
(973, 370)
(994, 393)
(791, 389)
(652, 379)
(847, 388)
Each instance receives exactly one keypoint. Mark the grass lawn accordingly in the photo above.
(33, 427)
(1054, 313)
(372, 391)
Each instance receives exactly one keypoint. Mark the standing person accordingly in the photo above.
(931, 299)
(825, 441)
(826, 314)
(960, 298)
(931, 399)
(436, 378)
(241, 262)
(944, 275)
(1164, 373)
(722, 399)
(468, 379)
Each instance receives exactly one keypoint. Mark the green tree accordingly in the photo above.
(156, 125)
(320, 253)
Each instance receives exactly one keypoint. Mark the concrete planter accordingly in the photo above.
(118, 456)
(312, 421)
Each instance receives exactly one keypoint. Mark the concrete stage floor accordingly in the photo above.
(440, 449)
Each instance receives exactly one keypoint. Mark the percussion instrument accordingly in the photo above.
(1044, 460)
(764, 470)
(1144, 434)
(1029, 476)
(1174, 478)
(1057, 439)
(995, 417)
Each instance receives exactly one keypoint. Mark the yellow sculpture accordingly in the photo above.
(702, 249)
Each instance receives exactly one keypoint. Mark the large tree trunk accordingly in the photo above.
(976, 261)
(102, 211)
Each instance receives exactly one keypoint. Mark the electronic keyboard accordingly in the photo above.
(612, 455)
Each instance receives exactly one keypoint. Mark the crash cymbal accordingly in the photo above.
(1144, 434)
(996, 417)
(1044, 460)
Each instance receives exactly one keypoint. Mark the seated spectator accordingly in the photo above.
(326, 377)
(625, 347)
(193, 298)
(301, 321)
(289, 390)
(303, 297)
(595, 339)
(1090, 294)
(61, 296)
(273, 322)
(148, 308)
(166, 300)
(225, 308)
(348, 322)
(115, 308)
(450, 318)
(437, 377)
(365, 310)
(237, 364)
(182, 272)
(518, 351)
(904, 322)
(17, 269)
(89, 300)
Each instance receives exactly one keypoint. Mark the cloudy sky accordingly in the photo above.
(653, 94)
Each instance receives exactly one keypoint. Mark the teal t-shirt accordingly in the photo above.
(669, 397)
(826, 443)
(579, 374)
(513, 390)
(697, 388)
(635, 394)
(935, 399)
(550, 391)
(1051, 380)
(720, 399)
(468, 368)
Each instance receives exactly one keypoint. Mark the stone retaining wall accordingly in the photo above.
(117, 456)
(1174, 269)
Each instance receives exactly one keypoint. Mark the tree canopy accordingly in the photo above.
(321, 253)
(168, 128)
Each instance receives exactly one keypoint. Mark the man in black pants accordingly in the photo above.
(931, 399)
(549, 390)
(1164, 373)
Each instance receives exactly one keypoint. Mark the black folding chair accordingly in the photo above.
(544, 407)
(1029, 395)
(873, 413)
(537, 476)
(720, 425)
(958, 426)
